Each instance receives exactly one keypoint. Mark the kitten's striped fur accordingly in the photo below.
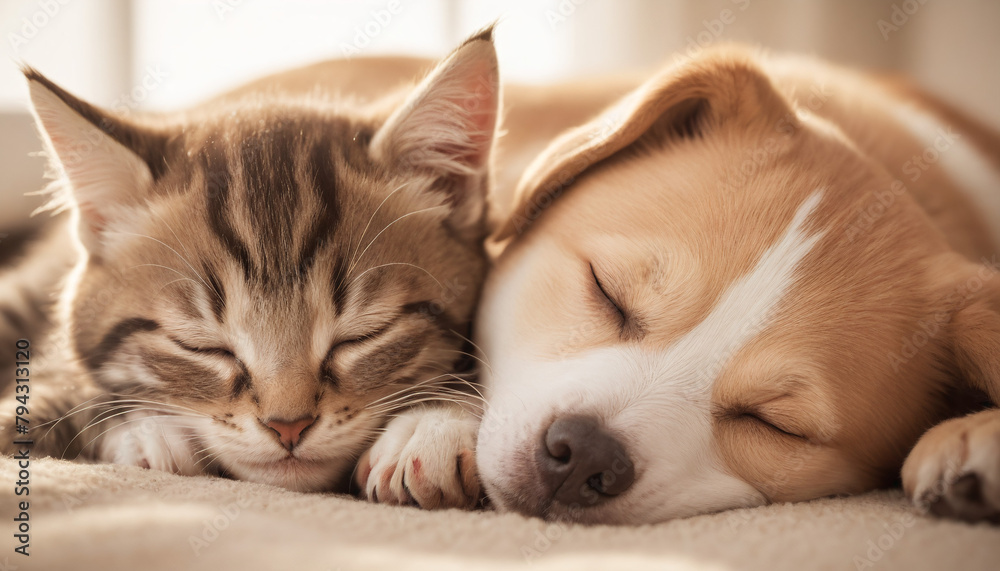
(259, 260)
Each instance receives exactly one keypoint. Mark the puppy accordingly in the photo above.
(754, 279)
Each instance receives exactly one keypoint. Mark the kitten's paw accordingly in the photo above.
(954, 470)
(150, 442)
(425, 457)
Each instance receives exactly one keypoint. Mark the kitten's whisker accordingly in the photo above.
(66, 416)
(210, 450)
(474, 356)
(399, 264)
(477, 347)
(168, 268)
(181, 243)
(171, 282)
(403, 398)
(428, 399)
(170, 449)
(129, 398)
(468, 383)
(414, 386)
(122, 423)
(118, 411)
(125, 408)
(395, 397)
(379, 207)
(176, 253)
(72, 412)
(475, 400)
(408, 214)
(457, 397)
(207, 455)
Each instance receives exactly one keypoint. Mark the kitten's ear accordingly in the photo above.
(108, 163)
(447, 126)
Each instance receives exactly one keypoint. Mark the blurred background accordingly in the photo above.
(161, 54)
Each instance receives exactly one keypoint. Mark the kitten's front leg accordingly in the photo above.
(425, 456)
(150, 440)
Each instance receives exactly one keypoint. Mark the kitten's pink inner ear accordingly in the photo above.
(103, 175)
(482, 104)
(449, 121)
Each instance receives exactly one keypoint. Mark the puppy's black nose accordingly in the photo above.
(582, 464)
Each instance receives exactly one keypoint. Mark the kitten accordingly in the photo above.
(266, 281)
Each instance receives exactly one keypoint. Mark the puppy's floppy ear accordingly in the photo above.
(108, 163)
(971, 317)
(447, 127)
(686, 99)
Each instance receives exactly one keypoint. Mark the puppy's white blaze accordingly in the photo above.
(680, 385)
(745, 309)
(658, 402)
(975, 176)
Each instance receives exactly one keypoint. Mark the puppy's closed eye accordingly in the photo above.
(768, 423)
(759, 419)
(630, 328)
(610, 300)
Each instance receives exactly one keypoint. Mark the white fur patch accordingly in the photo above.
(658, 403)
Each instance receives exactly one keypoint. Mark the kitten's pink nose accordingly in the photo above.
(290, 432)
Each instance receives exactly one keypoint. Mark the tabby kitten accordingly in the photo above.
(265, 282)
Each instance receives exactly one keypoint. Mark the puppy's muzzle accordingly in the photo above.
(580, 464)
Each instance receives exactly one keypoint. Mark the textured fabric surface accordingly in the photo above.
(113, 517)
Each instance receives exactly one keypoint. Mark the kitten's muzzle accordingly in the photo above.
(289, 432)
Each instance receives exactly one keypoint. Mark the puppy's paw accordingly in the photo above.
(426, 456)
(147, 441)
(954, 470)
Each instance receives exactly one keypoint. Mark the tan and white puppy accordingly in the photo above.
(755, 279)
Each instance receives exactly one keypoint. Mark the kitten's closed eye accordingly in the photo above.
(371, 335)
(353, 341)
(218, 351)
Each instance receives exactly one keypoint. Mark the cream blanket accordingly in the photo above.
(106, 517)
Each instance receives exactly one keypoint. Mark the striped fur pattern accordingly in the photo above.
(265, 259)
